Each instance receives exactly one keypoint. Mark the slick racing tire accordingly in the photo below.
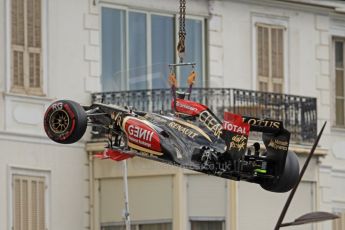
(65, 122)
(289, 177)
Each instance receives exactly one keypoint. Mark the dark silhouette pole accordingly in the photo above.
(293, 191)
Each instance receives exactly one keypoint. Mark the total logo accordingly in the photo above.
(234, 123)
(235, 128)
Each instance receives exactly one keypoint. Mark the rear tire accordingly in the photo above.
(65, 122)
(289, 177)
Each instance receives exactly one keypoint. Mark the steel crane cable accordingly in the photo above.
(182, 30)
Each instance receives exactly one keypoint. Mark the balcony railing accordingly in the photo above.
(298, 113)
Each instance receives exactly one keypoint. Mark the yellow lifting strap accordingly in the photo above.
(191, 78)
(172, 79)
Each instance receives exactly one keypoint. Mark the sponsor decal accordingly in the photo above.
(234, 123)
(141, 134)
(188, 107)
(279, 145)
(185, 106)
(211, 123)
(263, 123)
(188, 132)
(238, 131)
(196, 128)
(238, 142)
(57, 106)
(234, 128)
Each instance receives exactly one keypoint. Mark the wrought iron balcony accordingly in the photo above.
(298, 113)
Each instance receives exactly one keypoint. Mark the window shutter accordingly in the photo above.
(34, 201)
(18, 22)
(26, 35)
(34, 42)
(28, 203)
(17, 207)
(18, 43)
(25, 205)
(263, 50)
(41, 205)
(339, 82)
(270, 58)
(277, 59)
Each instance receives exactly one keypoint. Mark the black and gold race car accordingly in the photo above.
(191, 137)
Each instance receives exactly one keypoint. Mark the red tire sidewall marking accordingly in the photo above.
(71, 115)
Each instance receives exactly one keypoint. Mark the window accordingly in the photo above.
(207, 225)
(270, 58)
(339, 82)
(26, 47)
(28, 197)
(138, 46)
(162, 49)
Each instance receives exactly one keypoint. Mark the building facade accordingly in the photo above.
(65, 49)
(43, 185)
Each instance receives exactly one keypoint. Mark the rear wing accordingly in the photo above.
(276, 138)
(263, 125)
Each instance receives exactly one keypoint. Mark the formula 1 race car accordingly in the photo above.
(192, 137)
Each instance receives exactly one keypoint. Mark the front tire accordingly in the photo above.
(65, 122)
(288, 179)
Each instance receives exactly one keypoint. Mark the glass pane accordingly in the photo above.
(207, 225)
(339, 111)
(137, 50)
(339, 83)
(113, 48)
(193, 52)
(162, 49)
(339, 54)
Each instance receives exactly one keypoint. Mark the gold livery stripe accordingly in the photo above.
(137, 147)
(196, 128)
